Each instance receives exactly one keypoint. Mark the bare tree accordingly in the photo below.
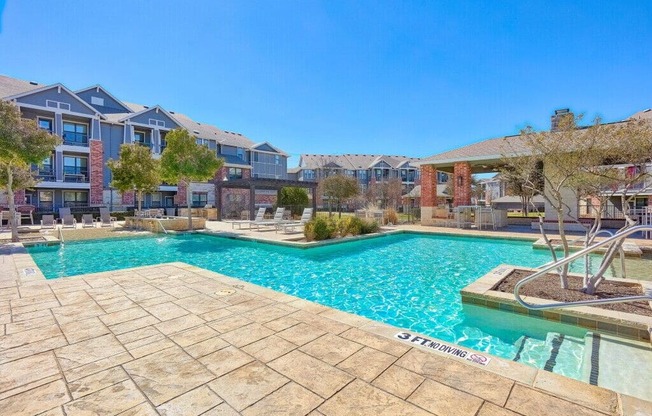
(580, 161)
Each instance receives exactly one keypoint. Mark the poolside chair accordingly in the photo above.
(291, 226)
(275, 222)
(48, 221)
(105, 219)
(260, 217)
(68, 221)
(88, 221)
(4, 216)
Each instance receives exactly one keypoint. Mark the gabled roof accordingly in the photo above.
(147, 110)
(487, 149)
(49, 87)
(257, 146)
(98, 86)
(352, 161)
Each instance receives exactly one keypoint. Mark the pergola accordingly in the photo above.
(261, 183)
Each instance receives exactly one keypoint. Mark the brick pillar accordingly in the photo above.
(246, 173)
(180, 197)
(462, 178)
(129, 198)
(96, 172)
(19, 197)
(428, 193)
(221, 173)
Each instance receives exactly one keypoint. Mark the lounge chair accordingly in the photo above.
(105, 219)
(48, 221)
(275, 222)
(260, 217)
(88, 221)
(291, 226)
(68, 221)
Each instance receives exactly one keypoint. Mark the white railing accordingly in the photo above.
(552, 266)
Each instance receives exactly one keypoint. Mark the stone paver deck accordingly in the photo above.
(175, 339)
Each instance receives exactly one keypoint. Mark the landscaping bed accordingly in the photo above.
(548, 287)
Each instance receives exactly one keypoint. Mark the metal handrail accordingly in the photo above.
(575, 256)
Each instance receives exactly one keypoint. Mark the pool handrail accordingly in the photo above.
(550, 266)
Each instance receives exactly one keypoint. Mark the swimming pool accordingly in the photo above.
(408, 280)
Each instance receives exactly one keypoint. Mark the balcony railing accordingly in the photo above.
(75, 175)
(46, 176)
(146, 144)
(75, 139)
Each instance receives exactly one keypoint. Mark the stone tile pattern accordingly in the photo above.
(164, 340)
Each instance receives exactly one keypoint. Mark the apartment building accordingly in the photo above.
(366, 169)
(93, 124)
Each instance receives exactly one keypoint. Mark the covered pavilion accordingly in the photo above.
(252, 184)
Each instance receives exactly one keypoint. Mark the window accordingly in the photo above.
(206, 142)
(75, 133)
(404, 175)
(235, 173)
(45, 171)
(277, 159)
(75, 169)
(46, 200)
(308, 174)
(363, 175)
(378, 173)
(255, 156)
(239, 152)
(45, 124)
(155, 200)
(442, 177)
(141, 138)
(350, 173)
(199, 199)
(75, 199)
(163, 142)
(97, 100)
(154, 122)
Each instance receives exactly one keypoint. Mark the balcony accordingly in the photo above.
(75, 139)
(75, 175)
(46, 175)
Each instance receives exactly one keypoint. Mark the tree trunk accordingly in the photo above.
(140, 201)
(12, 205)
(189, 203)
(563, 273)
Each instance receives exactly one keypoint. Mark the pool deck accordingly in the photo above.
(177, 339)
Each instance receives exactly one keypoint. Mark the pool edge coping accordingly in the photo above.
(627, 325)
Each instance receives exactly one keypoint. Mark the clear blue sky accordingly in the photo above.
(405, 77)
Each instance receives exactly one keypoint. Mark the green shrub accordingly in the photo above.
(350, 225)
(320, 229)
(369, 227)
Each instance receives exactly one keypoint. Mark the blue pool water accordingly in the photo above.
(408, 280)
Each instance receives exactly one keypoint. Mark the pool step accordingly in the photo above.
(619, 364)
(558, 353)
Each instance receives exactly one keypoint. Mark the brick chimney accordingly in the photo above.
(558, 116)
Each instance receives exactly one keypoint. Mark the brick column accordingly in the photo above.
(19, 197)
(129, 198)
(180, 197)
(96, 172)
(462, 184)
(428, 193)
